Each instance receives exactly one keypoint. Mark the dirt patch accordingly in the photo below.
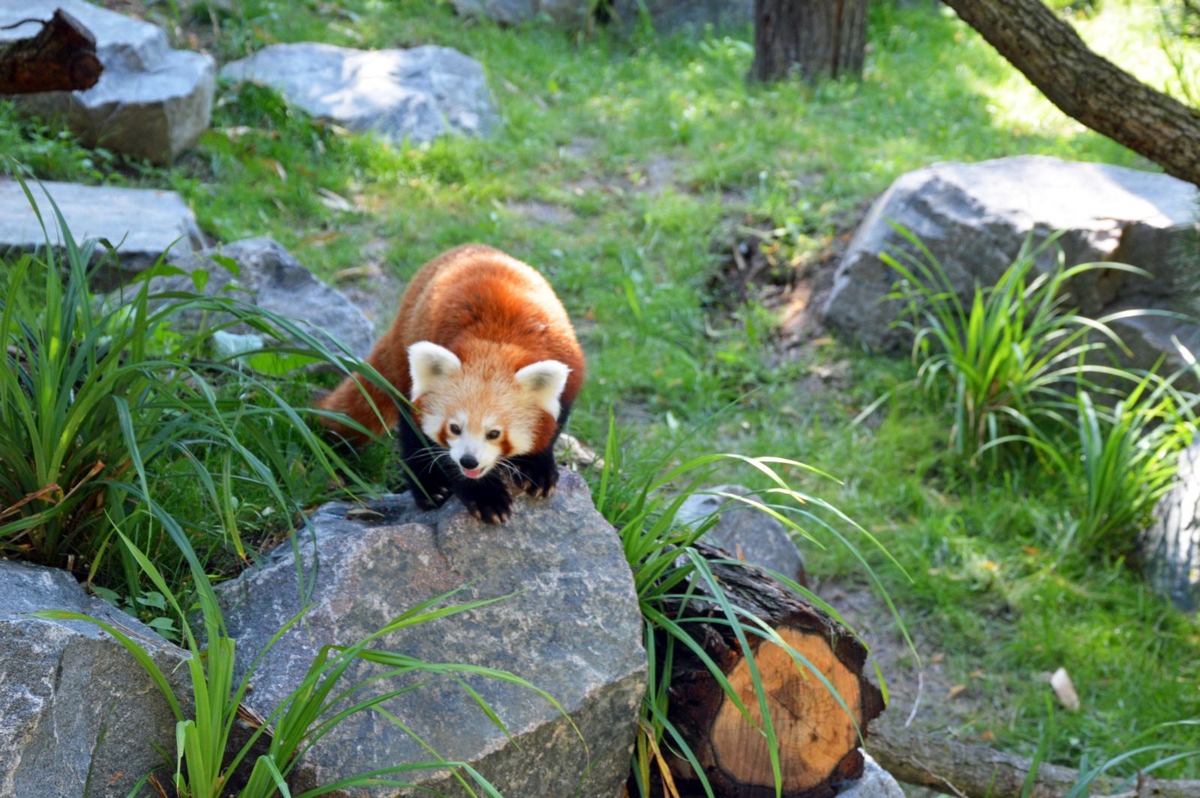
(919, 686)
(924, 692)
(543, 212)
(755, 265)
(650, 178)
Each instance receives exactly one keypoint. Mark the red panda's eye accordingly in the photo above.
(455, 429)
(493, 434)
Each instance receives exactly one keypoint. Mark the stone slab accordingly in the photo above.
(269, 277)
(143, 224)
(416, 94)
(744, 531)
(1169, 549)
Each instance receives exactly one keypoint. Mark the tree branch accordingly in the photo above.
(1086, 86)
(976, 771)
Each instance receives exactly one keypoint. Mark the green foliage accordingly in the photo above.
(676, 587)
(1164, 755)
(90, 396)
(51, 152)
(1002, 361)
(619, 161)
(1124, 458)
(1007, 363)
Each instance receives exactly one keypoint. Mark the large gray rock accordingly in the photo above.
(416, 94)
(151, 102)
(744, 531)
(80, 716)
(974, 218)
(569, 623)
(269, 277)
(1170, 547)
(143, 224)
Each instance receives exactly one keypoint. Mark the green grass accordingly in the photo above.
(106, 405)
(647, 151)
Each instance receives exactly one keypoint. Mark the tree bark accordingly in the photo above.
(975, 771)
(818, 740)
(1087, 87)
(820, 38)
(60, 57)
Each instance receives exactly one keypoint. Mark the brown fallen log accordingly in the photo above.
(976, 771)
(60, 57)
(818, 738)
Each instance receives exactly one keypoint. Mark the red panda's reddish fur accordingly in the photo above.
(477, 302)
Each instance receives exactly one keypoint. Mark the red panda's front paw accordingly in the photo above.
(539, 485)
(488, 500)
(536, 475)
(490, 512)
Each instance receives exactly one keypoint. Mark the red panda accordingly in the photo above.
(486, 355)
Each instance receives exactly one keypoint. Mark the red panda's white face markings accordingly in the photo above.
(481, 411)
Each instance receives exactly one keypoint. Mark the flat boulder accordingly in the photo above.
(974, 219)
(567, 621)
(142, 224)
(269, 277)
(151, 102)
(414, 95)
(81, 717)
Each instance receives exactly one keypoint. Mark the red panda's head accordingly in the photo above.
(484, 411)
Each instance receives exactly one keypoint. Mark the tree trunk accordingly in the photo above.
(974, 771)
(821, 38)
(818, 740)
(1087, 87)
(60, 57)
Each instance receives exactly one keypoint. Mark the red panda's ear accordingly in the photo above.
(428, 364)
(544, 382)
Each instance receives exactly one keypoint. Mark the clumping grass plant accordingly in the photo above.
(1018, 366)
(94, 399)
(110, 415)
(1002, 359)
(1121, 461)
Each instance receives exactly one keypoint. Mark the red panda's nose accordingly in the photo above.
(468, 462)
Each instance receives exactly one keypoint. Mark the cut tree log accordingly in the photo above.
(818, 733)
(976, 771)
(61, 57)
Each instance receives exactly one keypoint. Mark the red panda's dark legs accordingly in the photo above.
(427, 479)
(537, 473)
